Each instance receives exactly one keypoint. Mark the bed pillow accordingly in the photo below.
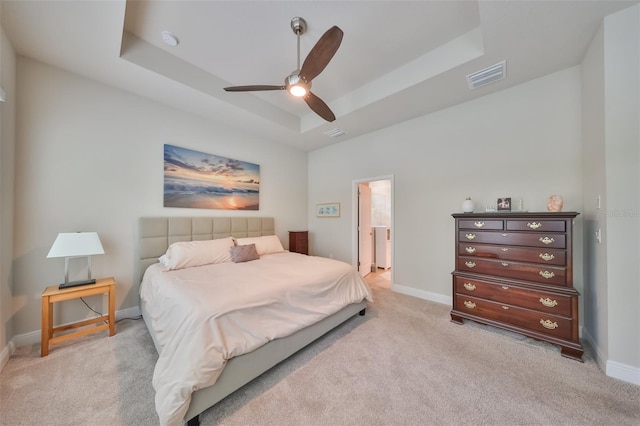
(244, 253)
(187, 254)
(264, 245)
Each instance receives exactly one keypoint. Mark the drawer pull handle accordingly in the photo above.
(505, 234)
(470, 249)
(504, 249)
(548, 302)
(470, 236)
(469, 286)
(547, 274)
(479, 224)
(549, 324)
(506, 308)
(470, 264)
(469, 304)
(534, 225)
(546, 256)
(505, 264)
(504, 287)
(546, 240)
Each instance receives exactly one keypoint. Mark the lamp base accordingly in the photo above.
(76, 283)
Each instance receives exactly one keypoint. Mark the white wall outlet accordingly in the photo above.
(599, 235)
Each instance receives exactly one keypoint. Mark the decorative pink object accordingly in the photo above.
(554, 204)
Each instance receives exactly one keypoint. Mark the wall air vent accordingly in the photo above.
(488, 75)
(335, 133)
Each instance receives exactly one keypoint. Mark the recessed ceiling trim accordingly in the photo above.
(456, 52)
(487, 76)
(139, 52)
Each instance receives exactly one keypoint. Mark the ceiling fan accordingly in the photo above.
(298, 83)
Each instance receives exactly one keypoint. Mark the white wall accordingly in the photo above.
(90, 158)
(7, 153)
(622, 156)
(596, 309)
(521, 142)
(611, 128)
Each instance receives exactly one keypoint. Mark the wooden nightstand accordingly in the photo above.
(299, 241)
(53, 294)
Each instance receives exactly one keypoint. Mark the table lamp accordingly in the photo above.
(76, 244)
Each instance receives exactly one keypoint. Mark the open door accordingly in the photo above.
(365, 231)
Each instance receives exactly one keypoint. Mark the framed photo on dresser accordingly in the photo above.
(504, 204)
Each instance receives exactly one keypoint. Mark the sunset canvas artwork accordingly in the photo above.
(195, 179)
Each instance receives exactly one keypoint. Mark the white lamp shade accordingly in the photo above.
(72, 244)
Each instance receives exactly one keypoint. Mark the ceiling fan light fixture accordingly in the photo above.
(298, 90)
(297, 86)
(298, 83)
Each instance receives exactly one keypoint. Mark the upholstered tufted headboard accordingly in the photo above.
(155, 234)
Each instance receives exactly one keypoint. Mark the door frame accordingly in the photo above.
(354, 219)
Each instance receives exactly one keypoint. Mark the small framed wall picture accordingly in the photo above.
(504, 204)
(328, 210)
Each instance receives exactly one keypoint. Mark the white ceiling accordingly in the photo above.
(398, 59)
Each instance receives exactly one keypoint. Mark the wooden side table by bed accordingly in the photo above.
(299, 242)
(53, 294)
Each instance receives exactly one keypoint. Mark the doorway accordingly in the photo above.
(373, 230)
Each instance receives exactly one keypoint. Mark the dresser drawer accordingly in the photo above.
(533, 255)
(481, 224)
(551, 325)
(556, 304)
(537, 239)
(555, 275)
(536, 225)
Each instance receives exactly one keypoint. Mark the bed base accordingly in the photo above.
(244, 368)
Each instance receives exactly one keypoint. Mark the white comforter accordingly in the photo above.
(204, 316)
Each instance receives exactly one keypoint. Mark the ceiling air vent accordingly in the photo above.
(488, 75)
(335, 133)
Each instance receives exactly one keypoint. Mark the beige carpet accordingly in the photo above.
(404, 363)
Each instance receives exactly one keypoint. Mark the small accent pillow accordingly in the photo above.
(187, 254)
(264, 245)
(244, 253)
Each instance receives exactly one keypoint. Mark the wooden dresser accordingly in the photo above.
(515, 271)
(299, 241)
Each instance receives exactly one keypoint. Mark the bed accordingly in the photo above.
(263, 350)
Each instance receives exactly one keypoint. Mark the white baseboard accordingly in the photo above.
(4, 356)
(623, 372)
(421, 294)
(133, 312)
(6, 353)
(617, 370)
(600, 358)
(33, 337)
(25, 339)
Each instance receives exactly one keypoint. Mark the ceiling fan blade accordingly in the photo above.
(254, 88)
(319, 107)
(321, 53)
